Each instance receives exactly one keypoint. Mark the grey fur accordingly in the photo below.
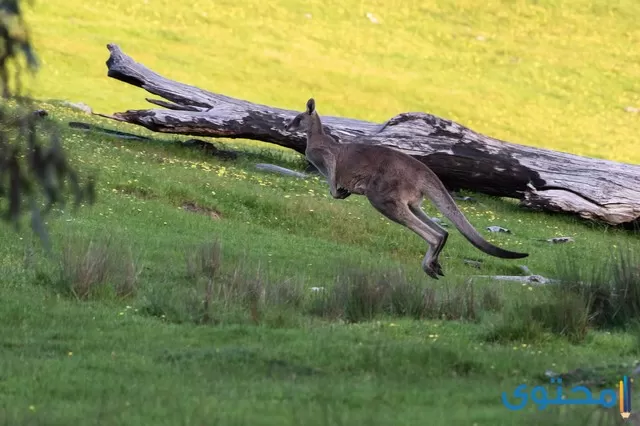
(394, 183)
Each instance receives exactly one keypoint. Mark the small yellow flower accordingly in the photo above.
(70, 353)
(32, 408)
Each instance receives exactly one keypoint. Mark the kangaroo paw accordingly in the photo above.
(431, 272)
(433, 269)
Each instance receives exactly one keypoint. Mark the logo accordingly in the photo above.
(539, 396)
(625, 397)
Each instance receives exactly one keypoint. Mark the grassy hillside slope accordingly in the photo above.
(156, 342)
(536, 73)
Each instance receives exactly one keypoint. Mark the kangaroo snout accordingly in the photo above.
(299, 122)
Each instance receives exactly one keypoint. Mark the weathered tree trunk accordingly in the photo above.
(542, 179)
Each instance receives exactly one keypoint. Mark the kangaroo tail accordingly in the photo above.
(440, 197)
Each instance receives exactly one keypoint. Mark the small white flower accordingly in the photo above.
(372, 18)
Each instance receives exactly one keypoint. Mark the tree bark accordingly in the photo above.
(541, 179)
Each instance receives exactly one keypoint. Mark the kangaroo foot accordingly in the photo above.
(429, 270)
(433, 269)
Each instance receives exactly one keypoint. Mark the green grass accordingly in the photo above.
(545, 75)
(150, 358)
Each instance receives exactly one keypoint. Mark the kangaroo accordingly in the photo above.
(394, 183)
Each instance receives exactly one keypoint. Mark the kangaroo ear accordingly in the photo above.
(311, 106)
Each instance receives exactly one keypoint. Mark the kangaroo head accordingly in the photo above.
(303, 120)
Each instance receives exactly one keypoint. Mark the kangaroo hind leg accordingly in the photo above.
(416, 209)
(399, 212)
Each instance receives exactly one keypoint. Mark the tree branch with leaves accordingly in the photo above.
(35, 174)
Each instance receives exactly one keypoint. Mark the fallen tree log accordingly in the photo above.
(541, 179)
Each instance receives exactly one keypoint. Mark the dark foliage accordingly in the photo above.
(34, 170)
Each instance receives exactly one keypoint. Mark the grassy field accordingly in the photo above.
(155, 323)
